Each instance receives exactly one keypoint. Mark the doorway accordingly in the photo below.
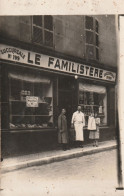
(66, 87)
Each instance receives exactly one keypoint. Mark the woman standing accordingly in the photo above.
(62, 130)
(93, 126)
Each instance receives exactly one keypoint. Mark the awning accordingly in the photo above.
(30, 78)
(92, 88)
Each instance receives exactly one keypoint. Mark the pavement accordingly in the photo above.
(21, 162)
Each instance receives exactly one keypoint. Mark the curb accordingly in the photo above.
(56, 158)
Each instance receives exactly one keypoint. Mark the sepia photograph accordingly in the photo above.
(59, 105)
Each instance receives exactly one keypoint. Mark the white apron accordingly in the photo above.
(79, 131)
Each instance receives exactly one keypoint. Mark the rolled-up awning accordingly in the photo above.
(92, 88)
(29, 77)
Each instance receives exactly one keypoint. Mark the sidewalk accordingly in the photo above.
(11, 164)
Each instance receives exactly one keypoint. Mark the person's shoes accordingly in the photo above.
(97, 145)
(81, 146)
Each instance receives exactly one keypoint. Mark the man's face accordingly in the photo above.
(79, 108)
(63, 111)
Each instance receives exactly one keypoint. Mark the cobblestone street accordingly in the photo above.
(90, 175)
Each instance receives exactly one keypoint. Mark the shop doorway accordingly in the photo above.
(65, 101)
(66, 87)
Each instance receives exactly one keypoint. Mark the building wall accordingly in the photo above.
(108, 40)
(69, 39)
(69, 35)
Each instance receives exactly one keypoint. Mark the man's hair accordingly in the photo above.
(63, 109)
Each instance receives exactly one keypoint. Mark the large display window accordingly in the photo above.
(30, 101)
(93, 98)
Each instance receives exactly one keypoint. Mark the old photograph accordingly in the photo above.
(59, 107)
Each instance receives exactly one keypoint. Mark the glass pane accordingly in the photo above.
(27, 90)
(90, 52)
(37, 35)
(18, 108)
(23, 115)
(89, 22)
(97, 26)
(48, 22)
(37, 20)
(97, 53)
(97, 40)
(48, 38)
(15, 89)
(89, 37)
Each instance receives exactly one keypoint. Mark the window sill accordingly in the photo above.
(29, 130)
(101, 127)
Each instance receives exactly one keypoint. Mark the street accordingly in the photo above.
(89, 175)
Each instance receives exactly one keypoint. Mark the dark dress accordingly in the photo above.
(62, 129)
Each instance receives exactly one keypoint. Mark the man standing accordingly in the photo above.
(62, 130)
(78, 122)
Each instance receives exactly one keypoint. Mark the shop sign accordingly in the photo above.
(52, 63)
(31, 101)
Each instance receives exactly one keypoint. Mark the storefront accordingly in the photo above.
(34, 89)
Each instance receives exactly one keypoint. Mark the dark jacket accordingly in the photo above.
(62, 129)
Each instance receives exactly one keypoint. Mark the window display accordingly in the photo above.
(31, 101)
(93, 99)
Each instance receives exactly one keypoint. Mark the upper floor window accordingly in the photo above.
(43, 30)
(92, 38)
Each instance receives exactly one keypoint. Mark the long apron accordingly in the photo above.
(79, 131)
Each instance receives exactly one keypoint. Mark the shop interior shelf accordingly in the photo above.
(91, 105)
(98, 114)
(29, 115)
(25, 101)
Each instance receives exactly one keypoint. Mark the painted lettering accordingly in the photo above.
(37, 59)
(100, 73)
(64, 65)
(29, 60)
(96, 73)
(73, 70)
(57, 65)
(91, 71)
(87, 68)
(82, 69)
(50, 62)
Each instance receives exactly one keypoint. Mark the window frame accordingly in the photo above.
(43, 32)
(11, 100)
(82, 105)
(94, 45)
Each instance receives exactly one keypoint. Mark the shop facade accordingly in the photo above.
(34, 89)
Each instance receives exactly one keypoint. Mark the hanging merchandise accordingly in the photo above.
(100, 110)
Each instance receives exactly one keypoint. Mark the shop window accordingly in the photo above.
(92, 37)
(93, 98)
(43, 30)
(30, 101)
